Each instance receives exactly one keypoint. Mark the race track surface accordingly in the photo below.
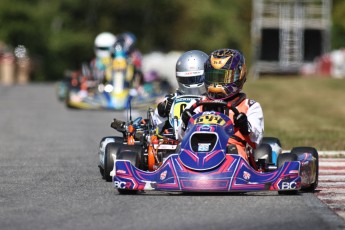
(49, 179)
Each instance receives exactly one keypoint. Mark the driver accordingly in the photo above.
(190, 78)
(103, 46)
(225, 75)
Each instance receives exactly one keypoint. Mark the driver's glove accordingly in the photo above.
(165, 106)
(185, 116)
(241, 122)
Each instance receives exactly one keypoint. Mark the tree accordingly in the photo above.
(59, 34)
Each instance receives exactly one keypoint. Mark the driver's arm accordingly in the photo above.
(256, 119)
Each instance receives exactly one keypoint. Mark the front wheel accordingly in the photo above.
(264, 152)
(282, 158)
(301, 150)
(101, 153)
(110, 149)
(131, 153)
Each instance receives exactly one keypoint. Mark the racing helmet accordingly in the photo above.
(129, 41)
(225, 73)
(190, 72)
(119, 47)
(104, 43)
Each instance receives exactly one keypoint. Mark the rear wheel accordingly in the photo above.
(300, 150)
(263, 151)
(282, 158)
(286, 157)
(131, 153)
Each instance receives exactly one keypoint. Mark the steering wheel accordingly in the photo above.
(222, 104)
(188, 113)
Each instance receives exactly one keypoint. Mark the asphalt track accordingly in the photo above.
(49, 180)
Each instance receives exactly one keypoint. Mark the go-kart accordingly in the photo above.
(112, 93)
(142, 137)
(202, 163)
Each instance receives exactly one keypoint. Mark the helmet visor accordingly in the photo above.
(221, 76)
(106, 48)
(191, 80)
(186, 79)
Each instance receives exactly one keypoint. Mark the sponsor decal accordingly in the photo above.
(165, 146)
(246, 175)
(289, 185)
(163, 175)
(182, 99)
(205, 128)
(204, 147)
(120, 171)
(119, 184)
(293, 172)
(190, 73)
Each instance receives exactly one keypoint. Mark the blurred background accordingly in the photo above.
(295, 48)
(40, 40)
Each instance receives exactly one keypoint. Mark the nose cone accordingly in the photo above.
(202, 160)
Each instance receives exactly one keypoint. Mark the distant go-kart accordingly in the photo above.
(112, 94)
(141, 136)
(202, 163)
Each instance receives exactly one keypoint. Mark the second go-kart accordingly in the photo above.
(141, 136)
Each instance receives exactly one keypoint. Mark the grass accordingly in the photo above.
(302, 111)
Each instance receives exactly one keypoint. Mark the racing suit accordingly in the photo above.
(161, 113)
(253, 111)
(164, 109)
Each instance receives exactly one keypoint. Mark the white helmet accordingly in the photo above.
(104, 43)
(190, 72)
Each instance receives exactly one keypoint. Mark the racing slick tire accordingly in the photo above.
(263, 151)
(68, 99)
(313, 151)
(116, 139)
(133, 154)
(111, 148)
(282, 158)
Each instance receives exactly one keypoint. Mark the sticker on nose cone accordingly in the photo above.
(204, 147)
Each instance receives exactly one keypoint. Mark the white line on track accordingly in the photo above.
(331, 187)
(332, 178)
